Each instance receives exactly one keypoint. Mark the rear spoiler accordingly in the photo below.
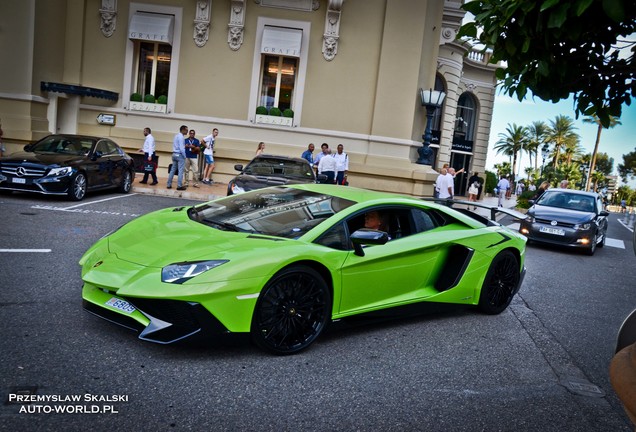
(494, 210)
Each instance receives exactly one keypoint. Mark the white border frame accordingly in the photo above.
(299, 91)
(129, 73)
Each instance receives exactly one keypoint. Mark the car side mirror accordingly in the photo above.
(366, 236)
(28, 147)
(238, 167)
(604, 213)
(321, 178)
(96, 155)
(531, 202)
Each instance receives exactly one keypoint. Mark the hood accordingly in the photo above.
(169, 236)
(561, 215)
(42, 158)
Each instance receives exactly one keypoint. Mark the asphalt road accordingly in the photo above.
(539, 366)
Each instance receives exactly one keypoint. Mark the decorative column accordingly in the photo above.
(108, 13)
(332, 30)
(236, 24)
(202, 22)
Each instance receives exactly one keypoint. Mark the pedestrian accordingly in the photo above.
(503, 186)
(178, 158)
(564, 184)
(260, 149)
(445, 184)
(520, 187)
(308, 154)
(342, 165)
(192, 147)
(149, 150)
(532, 187)
(542, 188)
(2, 148)
(450, 179)
(473, 190)
(325, 151)
(327, 166)
(439, 183)
(623, 206)
(209, 142)
(475, 178)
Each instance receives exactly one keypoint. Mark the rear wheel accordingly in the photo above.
(500, 284)
(292, 310)
(126, 183)
(77, 191)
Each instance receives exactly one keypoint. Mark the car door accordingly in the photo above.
(93, 166)
(397, 272)
(113, 163)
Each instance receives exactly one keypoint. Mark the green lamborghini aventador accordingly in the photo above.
(281, 263)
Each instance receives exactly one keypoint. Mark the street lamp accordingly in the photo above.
(431, 100)
(545, 152)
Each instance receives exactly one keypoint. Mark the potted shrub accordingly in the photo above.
(288, 113)
(148, 103)
(163, 99)
(136, 97)
(261, 110)
(275, 111)
(149, 98)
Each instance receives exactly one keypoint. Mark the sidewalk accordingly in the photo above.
(209, 192)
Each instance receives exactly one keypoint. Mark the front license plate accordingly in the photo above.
(122, 305)
(554, 231)
(18, 180)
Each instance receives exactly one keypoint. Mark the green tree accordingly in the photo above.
(604, 164)
(598, 180)
(503, 168)
(613, 121)
(561, 134)
(537, 133)
(558, 48)
(512, 143)
(628, 167)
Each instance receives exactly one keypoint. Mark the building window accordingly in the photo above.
(463, 134)
(279, 69)
(153, 69)
(279, 79)
(152, 57)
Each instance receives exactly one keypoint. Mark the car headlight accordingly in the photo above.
(530, 219)
(237, 189)
(583, 227)
(179, 273)
(60, 171)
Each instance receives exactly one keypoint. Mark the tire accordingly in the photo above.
(602, 243)
(292, 311)
(500, 284)
(126, 183)
(590, 250)
(77, 191)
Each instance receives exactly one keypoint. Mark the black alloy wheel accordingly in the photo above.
(501, 283)
(602, 242)
(126, 182)
(592, 248)
(292, 310)
(77, 191)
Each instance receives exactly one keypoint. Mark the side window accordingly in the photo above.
(424, 220)
(335, 238)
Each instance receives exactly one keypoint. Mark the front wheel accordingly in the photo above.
(500, 284)
(590, 250)
(291, 311)
(77, 191)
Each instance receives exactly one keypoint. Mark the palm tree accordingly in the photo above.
(537, 133)
(597, 177)
(511, 143)
(572, 149)
(594, 119)
(560, 132)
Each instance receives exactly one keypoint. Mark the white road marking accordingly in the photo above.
(98, 201)
(74, 210)
(26, 250)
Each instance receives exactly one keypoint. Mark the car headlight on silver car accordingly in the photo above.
(60, 171)
(179, 273)
(583, 226)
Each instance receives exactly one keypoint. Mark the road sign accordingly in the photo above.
(107, 119)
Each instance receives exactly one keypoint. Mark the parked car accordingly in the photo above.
(68, 165)
(281, 263)
(271, 170)
(567, 217)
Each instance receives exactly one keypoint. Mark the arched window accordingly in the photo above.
(465, 119)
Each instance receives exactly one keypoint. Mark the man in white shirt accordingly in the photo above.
(178, 158)
(208, 154)
(503, 187)
(327, 166)
(439, 182)
(342, 165)
(325, 151)
(149, 150)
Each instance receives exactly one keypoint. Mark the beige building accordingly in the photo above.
(339, 71)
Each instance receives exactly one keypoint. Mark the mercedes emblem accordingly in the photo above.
(20, 172)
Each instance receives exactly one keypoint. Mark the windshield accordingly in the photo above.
(279, 167)
(566, 200)
(282, 212)
(64, 145)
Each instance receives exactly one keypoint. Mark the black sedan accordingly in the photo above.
(270, 170)
(569, 218)
(67, 165)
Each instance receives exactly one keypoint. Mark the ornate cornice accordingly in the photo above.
(202, 22)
